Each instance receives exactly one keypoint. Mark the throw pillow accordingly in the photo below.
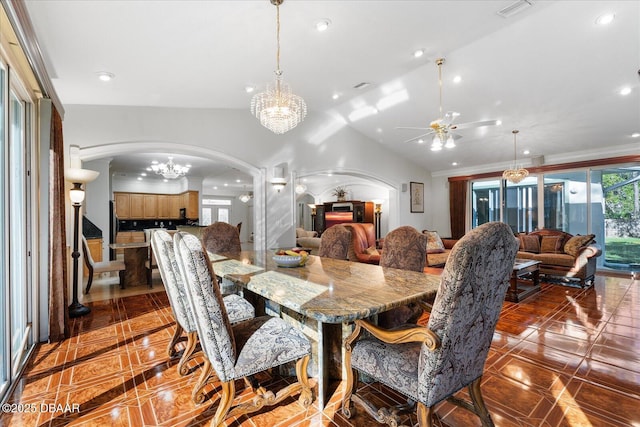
(434, 242)
(573, 245)
(371, 250)
(530, 243)
(551, 245)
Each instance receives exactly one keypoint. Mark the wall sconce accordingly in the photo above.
(278, 181)
(77, 176)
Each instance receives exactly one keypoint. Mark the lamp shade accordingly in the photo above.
(80, 175)
(76, 194)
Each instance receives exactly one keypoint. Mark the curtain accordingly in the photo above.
(458, 207)
(58, 315)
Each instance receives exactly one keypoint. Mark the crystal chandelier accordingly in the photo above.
(170, 170)
(278, 109)
(516, 174)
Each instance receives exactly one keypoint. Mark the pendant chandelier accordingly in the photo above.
(170, 170)
(278, 109)
(516, 174)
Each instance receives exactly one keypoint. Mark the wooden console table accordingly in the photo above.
(525, 280)
(135, 254)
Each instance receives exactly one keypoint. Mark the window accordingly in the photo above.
(600, 201)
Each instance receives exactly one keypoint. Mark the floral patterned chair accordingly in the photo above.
(221, 237)
(237, 307)
(404, 248)
(430, 364)
(241, 350)
(334, 242)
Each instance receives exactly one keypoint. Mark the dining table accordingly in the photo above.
(322, 298)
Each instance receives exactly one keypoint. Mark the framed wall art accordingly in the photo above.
(417, 197)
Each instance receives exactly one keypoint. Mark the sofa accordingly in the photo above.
(561, 254)
(307, 239)
(363, 243)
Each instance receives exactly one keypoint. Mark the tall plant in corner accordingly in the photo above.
(340, 192)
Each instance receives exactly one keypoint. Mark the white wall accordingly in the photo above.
(96, 204)
(309, 147)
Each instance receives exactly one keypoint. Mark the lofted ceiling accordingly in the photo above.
(549, 70)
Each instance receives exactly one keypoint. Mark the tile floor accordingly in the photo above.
(563, 357)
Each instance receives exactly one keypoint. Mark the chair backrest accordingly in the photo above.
(88, 259)
(162, 245)
(404, 248)
(205, 299)
(466, 310)
(221, 237)
(148, 234)
(334, 242)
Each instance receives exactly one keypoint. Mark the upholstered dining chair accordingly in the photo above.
(430, 364)
(334, 242)
(404, 248)
(221, 237)
(237, 307)
(241, 350)
(100, 266)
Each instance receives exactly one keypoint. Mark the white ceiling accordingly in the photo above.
(548, 71)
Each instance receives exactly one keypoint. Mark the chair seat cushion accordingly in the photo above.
(105, 266)
(238, 308)
(392, 364)
(266, 342)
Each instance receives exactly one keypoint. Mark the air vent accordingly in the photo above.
(515, 8)
(361, 85)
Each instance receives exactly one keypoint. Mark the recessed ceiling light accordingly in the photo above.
(149, 169)
(605, 19)
(418, 53)
(154, 162)
(454, 164)
(635, 135)
(526, 152)
(215, 187)
(457, 79)
(143, 174)
(379, 130)
(335, 96)
(238, 180)
(139, 178)
(625, 91)
(165, 180)
(105, 76)
(498, 122)
(226, 185)
(421, 141)
(323, 24)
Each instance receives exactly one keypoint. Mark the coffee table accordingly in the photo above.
(525, 280)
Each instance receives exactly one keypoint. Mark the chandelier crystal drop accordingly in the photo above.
(170, 170)
(517, 173)
(278, 108)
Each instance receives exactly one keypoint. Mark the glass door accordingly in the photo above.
(4, 291)
(18, 239)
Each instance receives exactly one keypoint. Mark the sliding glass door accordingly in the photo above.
(16, 309)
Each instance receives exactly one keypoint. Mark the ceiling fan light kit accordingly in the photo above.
(442, 128)
(516, 174)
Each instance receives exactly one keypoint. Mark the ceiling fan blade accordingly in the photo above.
(418, 137)
(411, 128)
(476, 124)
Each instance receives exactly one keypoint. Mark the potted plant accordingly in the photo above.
(340, 193)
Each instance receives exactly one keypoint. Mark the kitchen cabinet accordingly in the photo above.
(122, 205)
(128, 237)
(175, 204)
(150, 206)
(191, 204)
(157, 206)
(136, 206)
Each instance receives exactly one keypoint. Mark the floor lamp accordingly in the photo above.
(76, 194)
(378, 213)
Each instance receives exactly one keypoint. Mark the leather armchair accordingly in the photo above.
(363, 243)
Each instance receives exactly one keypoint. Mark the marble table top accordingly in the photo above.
(329, 290)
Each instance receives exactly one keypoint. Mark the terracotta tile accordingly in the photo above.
(563, 357)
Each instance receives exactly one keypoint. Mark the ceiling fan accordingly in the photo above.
(442, 128)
